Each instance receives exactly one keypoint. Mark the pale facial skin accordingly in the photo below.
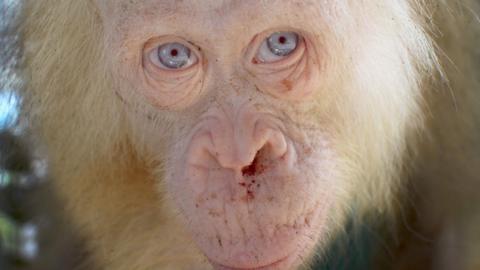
(247, 129)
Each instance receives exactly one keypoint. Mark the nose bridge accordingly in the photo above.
(244, 130)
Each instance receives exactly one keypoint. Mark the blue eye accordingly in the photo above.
(173, 56)
(277, 46)
(282, 43)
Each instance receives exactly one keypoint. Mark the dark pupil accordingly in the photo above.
(282, 40)
(174, 52)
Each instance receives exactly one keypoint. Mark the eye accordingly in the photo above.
(173, 56)
(277, 46)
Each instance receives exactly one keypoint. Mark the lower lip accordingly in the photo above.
(280, 264)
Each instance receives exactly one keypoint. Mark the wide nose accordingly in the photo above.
(237, 141)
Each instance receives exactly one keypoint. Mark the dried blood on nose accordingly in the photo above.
(251, 169)
(255, 168)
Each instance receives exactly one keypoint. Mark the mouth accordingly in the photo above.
(283, 263)
(286, 246)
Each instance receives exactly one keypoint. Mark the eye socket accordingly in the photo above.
(173, 56)
(277, 46)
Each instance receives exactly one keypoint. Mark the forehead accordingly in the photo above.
(214, 13)
(206, 23)
(172, 6)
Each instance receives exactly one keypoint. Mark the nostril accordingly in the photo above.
(251, 169)
(257, 166)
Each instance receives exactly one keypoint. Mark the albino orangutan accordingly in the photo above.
(223, 134)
